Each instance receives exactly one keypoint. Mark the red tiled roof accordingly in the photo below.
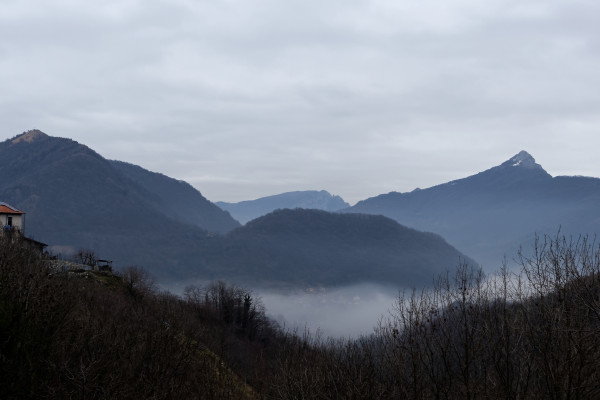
(8, 209)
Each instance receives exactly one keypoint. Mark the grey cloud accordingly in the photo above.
(246, 99)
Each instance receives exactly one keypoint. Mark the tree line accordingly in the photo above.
(529, 334)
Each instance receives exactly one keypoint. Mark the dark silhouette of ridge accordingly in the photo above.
(248, 210)
(315, 247)
(74, 198)
(490, 214)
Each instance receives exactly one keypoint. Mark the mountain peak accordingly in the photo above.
(29, 136)
(523, 160)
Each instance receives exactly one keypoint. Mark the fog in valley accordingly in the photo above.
(348, 311)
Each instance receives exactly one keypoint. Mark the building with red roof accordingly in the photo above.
(11, 218)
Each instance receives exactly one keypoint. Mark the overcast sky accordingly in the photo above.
(248, 98)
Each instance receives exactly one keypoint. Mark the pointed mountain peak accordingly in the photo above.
(523, 160)
(29, 136)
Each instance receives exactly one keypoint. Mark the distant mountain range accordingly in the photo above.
(248, 210)
(74, 198)
(490, 214)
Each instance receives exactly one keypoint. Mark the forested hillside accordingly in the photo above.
(95, 335)
(178, 199)
(312, 247)
(76, 199)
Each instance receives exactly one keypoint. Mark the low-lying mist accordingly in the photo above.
(348, 311)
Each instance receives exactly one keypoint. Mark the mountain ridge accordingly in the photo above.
(317, 247)
(74, 198)
(181, 199)
(503, 206)
(248, 210)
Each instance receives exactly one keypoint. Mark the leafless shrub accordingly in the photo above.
(86, 257)
(138, 281)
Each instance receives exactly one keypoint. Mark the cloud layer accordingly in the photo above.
(250, 98)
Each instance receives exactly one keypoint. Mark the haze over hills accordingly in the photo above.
(74, 198)
(248, 210)
(490, 214)
(178, 199)
(315, 247)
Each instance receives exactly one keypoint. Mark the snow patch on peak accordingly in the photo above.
(523, 160)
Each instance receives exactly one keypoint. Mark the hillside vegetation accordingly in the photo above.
(531, 335)
(313, 247)
(97, 335)
(74, 198)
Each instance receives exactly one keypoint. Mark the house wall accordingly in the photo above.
(17, 220)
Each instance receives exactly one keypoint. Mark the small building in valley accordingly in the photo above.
(11, 218)
(12, 221)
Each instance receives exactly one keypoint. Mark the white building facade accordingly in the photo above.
(11, 218)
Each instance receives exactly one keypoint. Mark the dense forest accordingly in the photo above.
(302, 248)
(530, 334)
